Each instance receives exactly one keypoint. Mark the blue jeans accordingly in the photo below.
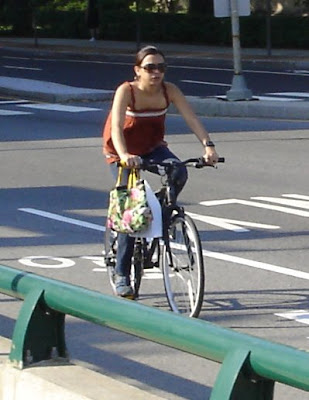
(126, 242)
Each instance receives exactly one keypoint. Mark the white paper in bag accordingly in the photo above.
(155, 228)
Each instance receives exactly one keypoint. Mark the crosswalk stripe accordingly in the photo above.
(278, 98)
(24, 68)
(294, 94)
(3, 102)
(297, 196)
(8, 113)
(266, 98)
(59, 107)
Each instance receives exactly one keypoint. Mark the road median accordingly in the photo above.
(51, 92)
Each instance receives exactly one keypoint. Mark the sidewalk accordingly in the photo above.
(52, 92)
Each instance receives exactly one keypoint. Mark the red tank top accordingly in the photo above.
(143, 130)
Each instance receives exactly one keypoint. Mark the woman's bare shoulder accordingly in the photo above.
(172, 90)
(170, 85)
(124, 87)
(122, 93)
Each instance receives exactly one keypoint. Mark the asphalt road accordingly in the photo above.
(251, 213)
(195, 77)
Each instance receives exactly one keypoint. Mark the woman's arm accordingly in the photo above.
(120, 104)
(182, 105)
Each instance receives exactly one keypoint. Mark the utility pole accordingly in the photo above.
(268, 28)
(239, 90)
(138, 25)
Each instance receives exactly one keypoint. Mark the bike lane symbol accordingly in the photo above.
(47, 262)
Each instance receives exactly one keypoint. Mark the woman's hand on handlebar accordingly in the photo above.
(130, 160)
(211, 157)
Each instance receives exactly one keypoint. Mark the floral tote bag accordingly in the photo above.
(128, 210)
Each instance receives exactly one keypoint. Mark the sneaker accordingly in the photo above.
(122, 288)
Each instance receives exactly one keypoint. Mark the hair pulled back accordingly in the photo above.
(146, 51)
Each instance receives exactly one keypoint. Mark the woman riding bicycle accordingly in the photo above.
(134, 131)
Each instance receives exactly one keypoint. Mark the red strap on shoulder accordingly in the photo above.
(165, 94)
(132, 96)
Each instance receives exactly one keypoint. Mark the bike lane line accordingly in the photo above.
(219, 256)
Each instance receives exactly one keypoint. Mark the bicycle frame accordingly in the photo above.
(167, 198)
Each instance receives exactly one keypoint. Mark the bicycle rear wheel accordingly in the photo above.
(138, 265)
(183, 267)
(110, 254)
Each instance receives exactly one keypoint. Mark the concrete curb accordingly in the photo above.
(50, 91)
(56, 380)
(297, 110)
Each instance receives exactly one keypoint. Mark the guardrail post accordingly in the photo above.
(236, 380)
(39, 332)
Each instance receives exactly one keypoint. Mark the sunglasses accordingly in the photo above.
(161, 67)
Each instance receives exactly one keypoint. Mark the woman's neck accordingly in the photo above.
(149, 89)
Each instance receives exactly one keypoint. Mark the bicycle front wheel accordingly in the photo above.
(183, 267)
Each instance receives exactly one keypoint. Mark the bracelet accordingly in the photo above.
(210, 144)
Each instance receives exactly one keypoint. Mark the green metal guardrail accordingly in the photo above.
(250, 367)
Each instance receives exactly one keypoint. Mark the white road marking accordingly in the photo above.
(61, 262)
(210, 203)
(296, 94)
(206, 253)
(59, 107)
(257, 264)
(301, 316)
(297, 196)
(27, 68)
(267, 98)
(8, 113)
(301, 71)
(14, 102)
(273, 98)
(286, 202)
(153, 273)
(256, 204)
(96, 260)
(16, 58)
(60, 218)
(206, 83)
(230, 224)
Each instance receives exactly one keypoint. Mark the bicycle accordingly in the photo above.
(178, 253)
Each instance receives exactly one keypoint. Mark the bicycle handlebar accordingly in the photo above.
(198, 162)
(194, 162)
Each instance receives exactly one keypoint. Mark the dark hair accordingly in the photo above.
(146, 51)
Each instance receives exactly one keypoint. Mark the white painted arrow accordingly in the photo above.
(297, 196)
(258, 205)
(230, 224)
(286, 202)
